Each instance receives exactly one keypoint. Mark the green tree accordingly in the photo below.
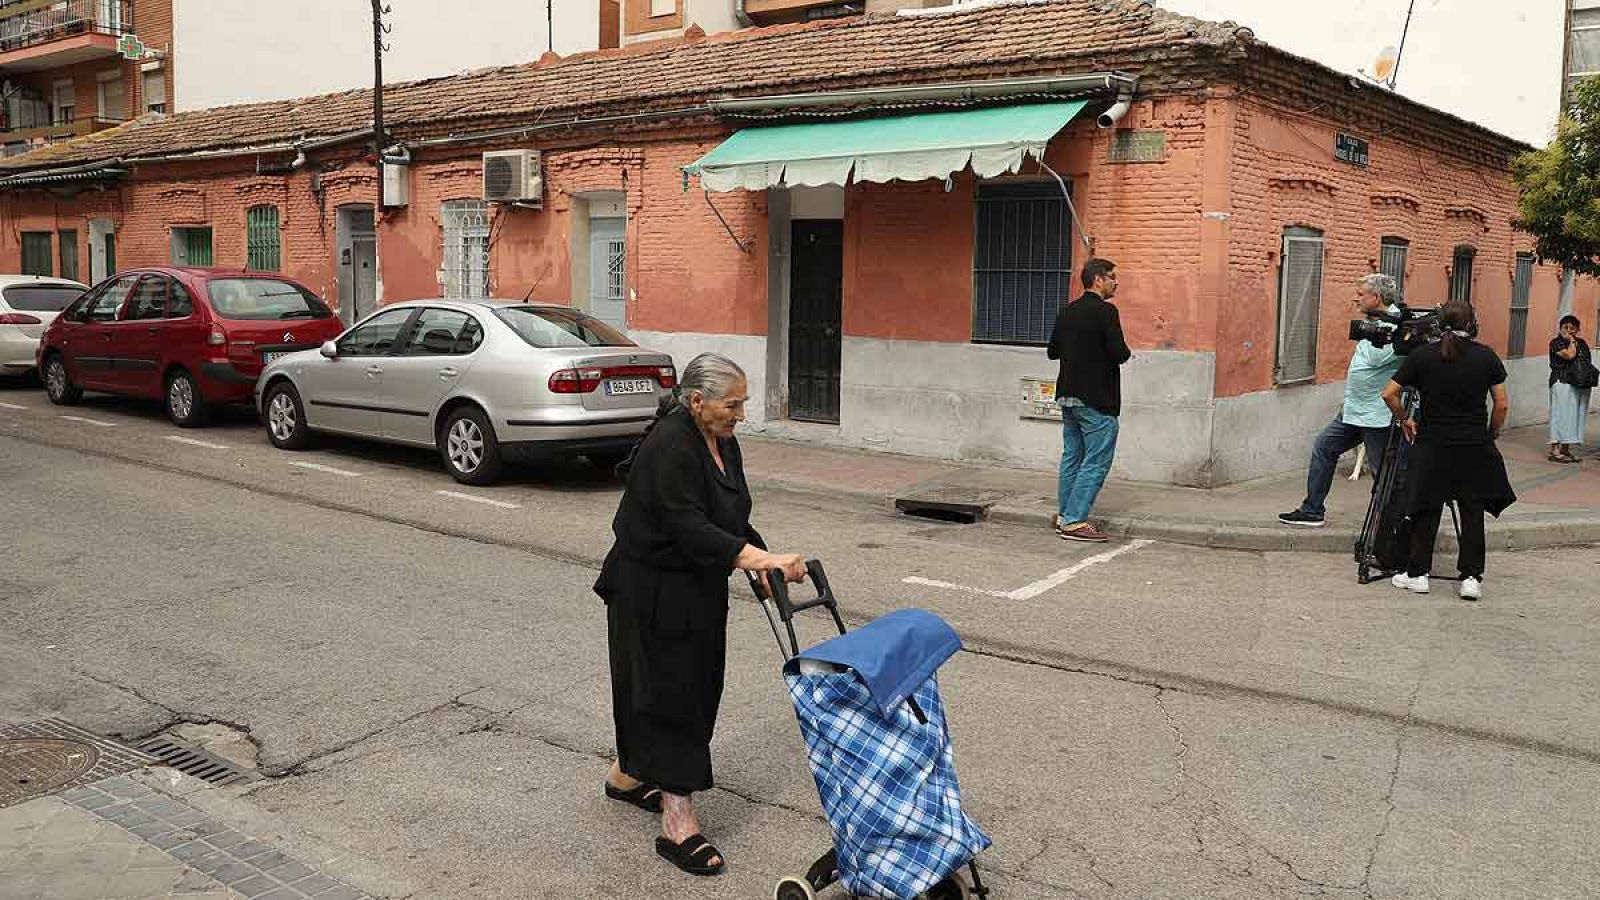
(1560, 203)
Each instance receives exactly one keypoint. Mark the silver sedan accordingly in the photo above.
(481, 380)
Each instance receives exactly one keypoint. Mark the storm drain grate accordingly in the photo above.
(190, 761)
(48, 756)
(948, 504)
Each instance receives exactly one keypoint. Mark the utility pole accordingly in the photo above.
(379, 10)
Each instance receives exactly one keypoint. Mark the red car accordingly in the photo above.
(194, 337)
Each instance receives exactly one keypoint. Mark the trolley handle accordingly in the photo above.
(787, 607)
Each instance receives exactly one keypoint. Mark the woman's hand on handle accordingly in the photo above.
(755, 559)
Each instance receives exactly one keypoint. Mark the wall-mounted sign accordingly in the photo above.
(1351, 149)
(1039, 399)
(130, 46)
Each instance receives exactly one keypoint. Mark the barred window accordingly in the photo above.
(466, 248)
(1521, 289)
(36, 253)
(262, 237)
(1299, 305)
(1461, 273)
(1392, 255)
(1022, 262)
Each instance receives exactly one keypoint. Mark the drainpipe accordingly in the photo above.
(741, 16)
(1118, 109)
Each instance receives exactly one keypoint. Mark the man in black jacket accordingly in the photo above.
(1088, 341)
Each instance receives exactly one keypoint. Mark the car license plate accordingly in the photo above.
(621, 386)
(267, 358)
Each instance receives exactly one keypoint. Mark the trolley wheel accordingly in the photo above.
(1363, 574)
(792, 888)
(953, 888)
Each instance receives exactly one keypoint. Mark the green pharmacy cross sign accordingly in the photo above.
(130, 46)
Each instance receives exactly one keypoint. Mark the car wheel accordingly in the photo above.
(58, 384)
(185, 407)
(286, 418)
(468, 446)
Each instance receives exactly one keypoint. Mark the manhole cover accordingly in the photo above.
(33, 767)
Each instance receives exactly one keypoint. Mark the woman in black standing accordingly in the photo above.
(682, 528)
(1454, 458)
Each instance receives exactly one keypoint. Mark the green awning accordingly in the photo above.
(893, 148)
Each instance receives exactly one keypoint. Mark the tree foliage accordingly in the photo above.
(1560, 203)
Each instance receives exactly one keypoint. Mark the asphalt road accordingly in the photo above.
(424, 676)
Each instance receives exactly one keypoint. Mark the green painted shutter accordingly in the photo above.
(261, 226)
(36, 253)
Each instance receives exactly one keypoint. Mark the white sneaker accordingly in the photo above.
(1471, 589)
(1417, 585)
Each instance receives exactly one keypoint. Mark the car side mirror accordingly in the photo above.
(330, 349)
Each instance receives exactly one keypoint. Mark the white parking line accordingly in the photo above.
(12, 406)
(460, 496)
(87, 421)
(194, 442)
(319, 467)
(1047, 583)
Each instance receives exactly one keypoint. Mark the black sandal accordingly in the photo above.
(644, 796)
(686, 855)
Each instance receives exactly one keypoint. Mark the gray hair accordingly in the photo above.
(1384, 286)
(712, 374)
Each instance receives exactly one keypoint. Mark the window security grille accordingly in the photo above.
(1461, 274)
(466, 248)
(616, 267)
(1521, 288)
(1392, 255)
(1299, 305)
(264, 253)
(1022, 264)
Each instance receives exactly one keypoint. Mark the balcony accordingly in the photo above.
(769, 12)
(48, 34)
(20, 140)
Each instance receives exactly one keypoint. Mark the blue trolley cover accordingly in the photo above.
(887, 780)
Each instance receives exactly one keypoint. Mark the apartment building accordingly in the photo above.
(72, 67)
(649, 20)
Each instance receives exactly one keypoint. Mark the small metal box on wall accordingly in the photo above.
(1039, 399)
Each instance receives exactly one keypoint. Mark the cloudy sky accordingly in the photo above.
(1496, 62)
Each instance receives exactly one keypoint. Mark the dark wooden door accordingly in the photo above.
(816, 289)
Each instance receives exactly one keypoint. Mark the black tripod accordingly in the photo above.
(1385, 540)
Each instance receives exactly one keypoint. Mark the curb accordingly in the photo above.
(1562, 531)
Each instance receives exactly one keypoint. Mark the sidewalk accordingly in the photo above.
(1558, 504)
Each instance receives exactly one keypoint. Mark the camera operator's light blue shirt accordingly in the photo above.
(1371, 369)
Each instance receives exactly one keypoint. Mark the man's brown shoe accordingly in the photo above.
(1086, 532)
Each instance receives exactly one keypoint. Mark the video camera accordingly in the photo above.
(1407, 329)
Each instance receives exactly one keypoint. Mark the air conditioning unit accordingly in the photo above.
(513, 176)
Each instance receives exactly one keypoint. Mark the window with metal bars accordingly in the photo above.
(1299, 305)
(616, 268)
(1521, 291)
(466, 248)
(264, 253)
(1461, 273)
(1022, 262)
(36, 253)
(191, 246)
(1392, 255)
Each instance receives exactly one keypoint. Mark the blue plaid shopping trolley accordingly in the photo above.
(869, 709)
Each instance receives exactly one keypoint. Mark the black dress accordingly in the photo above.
(679, 528)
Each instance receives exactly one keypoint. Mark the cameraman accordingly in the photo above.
(1454, 458)
(1363, 418)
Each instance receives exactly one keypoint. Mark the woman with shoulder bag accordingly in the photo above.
(1572, 375)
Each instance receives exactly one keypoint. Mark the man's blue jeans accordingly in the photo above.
(1088, 442)
(1335, 441)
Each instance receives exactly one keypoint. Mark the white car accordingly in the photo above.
(481, 380)
(29, 303)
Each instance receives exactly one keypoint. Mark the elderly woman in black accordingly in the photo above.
(1454, 458)
(682, 528)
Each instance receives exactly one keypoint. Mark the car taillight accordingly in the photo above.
(217, 337)
(576, 381)
(19, 319)
(668, 376)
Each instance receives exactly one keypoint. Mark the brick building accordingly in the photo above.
(1242, 191)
